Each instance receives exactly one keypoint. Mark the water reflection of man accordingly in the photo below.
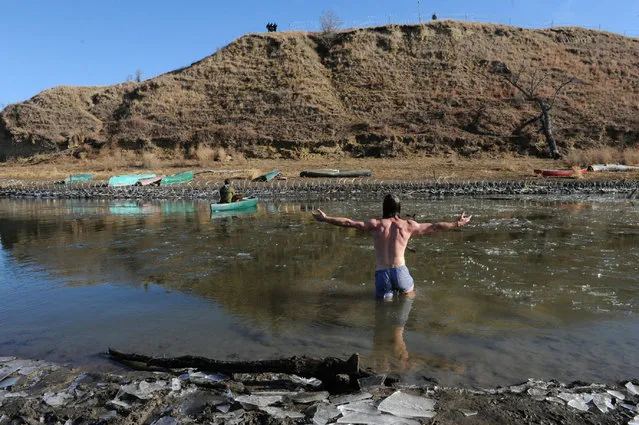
(389, 349)
(390, 237)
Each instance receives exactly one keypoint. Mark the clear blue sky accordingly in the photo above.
(46, 43)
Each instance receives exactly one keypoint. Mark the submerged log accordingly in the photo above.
(331, 370)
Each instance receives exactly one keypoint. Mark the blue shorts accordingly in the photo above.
(395, 279)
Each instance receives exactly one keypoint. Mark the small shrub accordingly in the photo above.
(205, 154)
(630, 156)
(150, 160)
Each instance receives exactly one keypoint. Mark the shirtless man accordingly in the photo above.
(390, 237)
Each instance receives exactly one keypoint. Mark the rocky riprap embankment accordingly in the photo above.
(34, 392)
(320, 189)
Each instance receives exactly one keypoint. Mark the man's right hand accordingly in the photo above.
(319, 215)
(463, 219)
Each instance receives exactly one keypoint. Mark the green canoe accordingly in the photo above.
(128, 179)
(186, 176)
(330, 172)
(238, 205)
(268, 176)
(76, 178)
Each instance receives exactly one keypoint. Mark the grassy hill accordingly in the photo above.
(383, 92)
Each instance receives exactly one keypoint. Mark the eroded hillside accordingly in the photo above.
(384, 91)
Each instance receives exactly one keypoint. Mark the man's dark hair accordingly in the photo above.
(392, 206)
(227, 181)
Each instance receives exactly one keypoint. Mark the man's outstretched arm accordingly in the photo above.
(340, 221)
(421, 228)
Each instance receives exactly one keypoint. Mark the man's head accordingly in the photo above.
(227, 181)
(392, 206)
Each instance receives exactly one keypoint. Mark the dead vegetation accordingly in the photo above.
(388, 92)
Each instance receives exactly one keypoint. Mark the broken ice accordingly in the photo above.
(408, 406)
(366, 419)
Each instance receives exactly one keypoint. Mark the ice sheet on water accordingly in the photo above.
(166, 420)
(313, 382)
(362, 406)
(310, 397)
(408, 406)
(9, 382)
(6, 371)
(278, 413)
(371, 381)
(616, 394)
(349, 398)
(204, 378)
(366, 419)
(632, 389)
(144, 390)
(603, 402)
(253, 401)
(577, 401)
(57, 399)
(629, 407)
(325, 413)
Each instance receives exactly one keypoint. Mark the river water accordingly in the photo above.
(531, 288)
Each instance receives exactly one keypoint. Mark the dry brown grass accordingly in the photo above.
(150, 160)
(604, 155)
(424, 168)
(206, 154)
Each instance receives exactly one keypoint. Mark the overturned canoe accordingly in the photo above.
(76, 178)
(184, 177)
(237, 205)
(331, 172)
(128, 179)
(148, 182)
(612, 167)
(559, 173)
(268, 176)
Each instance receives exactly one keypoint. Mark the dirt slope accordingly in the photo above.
(381, 92)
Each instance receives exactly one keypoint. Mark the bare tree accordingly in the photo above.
(330, 22)
(138, 75)
(528, 85)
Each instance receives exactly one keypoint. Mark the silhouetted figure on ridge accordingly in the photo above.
(271, 27)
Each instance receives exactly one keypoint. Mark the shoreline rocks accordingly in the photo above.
(321, 189)
(41, 392)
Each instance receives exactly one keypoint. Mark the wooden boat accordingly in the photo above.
(232, 206)
(148, 182)
(330, 172)
(184, 177)
(128, 179)
(558, 173)
(268, 176)
(76, 178)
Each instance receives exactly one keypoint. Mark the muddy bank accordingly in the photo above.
(40, 392)
(321, 189)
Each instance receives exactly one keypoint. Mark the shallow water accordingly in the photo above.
(531, 288)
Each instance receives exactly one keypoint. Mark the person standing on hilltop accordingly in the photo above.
(390, 237)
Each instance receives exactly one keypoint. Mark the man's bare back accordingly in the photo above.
(390, 237)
